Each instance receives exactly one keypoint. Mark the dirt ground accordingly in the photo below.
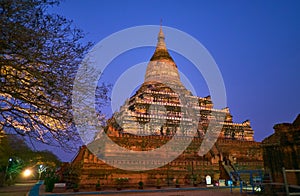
(145, 192)
(18, 189)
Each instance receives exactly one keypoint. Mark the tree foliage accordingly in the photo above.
(15, 158)
(39, 55)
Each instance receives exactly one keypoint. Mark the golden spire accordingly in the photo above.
(161, 52)
(162, 68)
(161, 38)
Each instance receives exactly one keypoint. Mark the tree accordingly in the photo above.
(15, 158)
(12, 158)
(39, 56)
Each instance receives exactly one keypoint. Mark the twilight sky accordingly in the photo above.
(256, 45)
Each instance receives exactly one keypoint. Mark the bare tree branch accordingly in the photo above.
(39, 56)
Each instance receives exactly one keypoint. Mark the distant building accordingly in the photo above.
(157, 101)
(282, 149)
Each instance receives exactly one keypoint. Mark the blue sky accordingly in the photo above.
(256, 45)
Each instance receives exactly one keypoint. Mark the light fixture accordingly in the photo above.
(27, 172)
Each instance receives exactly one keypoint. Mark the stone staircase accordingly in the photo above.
(231, 171)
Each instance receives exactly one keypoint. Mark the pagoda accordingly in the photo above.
(160, 109)
(162, 103)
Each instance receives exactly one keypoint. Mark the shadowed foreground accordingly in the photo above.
(18, 189)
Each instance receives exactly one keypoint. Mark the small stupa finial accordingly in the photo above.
(161, 37)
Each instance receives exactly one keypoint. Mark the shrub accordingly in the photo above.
(50, 179)
(141, 184)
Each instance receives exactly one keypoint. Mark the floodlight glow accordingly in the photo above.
(27, 172)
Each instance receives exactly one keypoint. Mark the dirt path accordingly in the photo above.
(18, 189)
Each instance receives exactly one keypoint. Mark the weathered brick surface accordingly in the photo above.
(282, 149)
